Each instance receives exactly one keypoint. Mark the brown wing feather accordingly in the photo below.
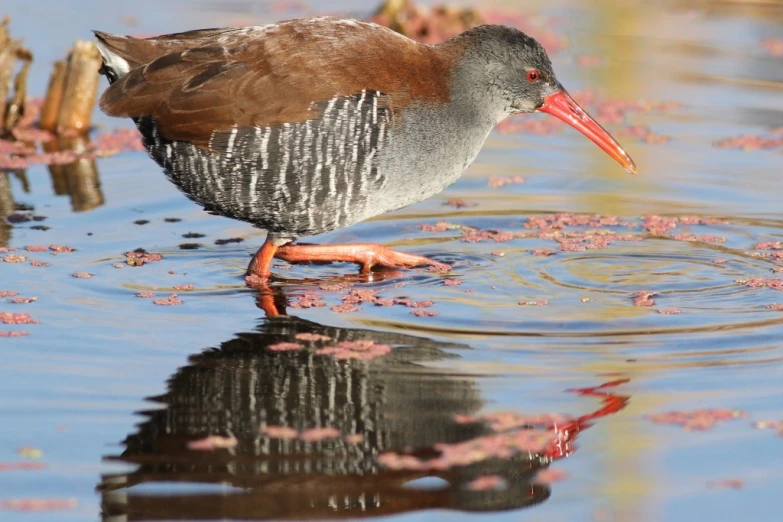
(271, 75)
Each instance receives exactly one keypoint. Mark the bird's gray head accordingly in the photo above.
(507, 65)
(502, 71)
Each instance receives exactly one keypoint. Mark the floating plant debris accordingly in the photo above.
(769, 245)
(279, 432)
(773, 46)
(460, 203)
(355, 438)
(542, 302)
(749, 142)
(81, 275)
(172, 300)
(22, 466)
(319, 434)
(770, 425)
(60, 249)
(11, 318)
(549, 476)
(725, 484)
(644, 298)
(313, 337)
(116, 141)
(345, 308)
(140, 256)
(14, 333)
(30, 452)
(644, 134)
(697, 420)
(213, 442)
(487, 483)
(308, 435)
(607, 111)
(499, 181)
(284, 347)
(23, 300)
(309, 300)
(424, 313)
(495, 446)
(761, 282)
(38, 504)
(364, 350)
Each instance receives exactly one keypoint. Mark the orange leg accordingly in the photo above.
(261, 265)
(366, 255)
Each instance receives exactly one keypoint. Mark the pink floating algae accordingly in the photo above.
(284, 347)
(317, 434)
(487, 483)
(550, 435)
(644, 298)
(38, 504)
(750, 142)
(697, 420)
(502, 181)
(140, 257)
(313, 337)
(762, 282)
(279, 432)
(213, 442)
(172, 300)
(12, 318)
(773, 46)
(770, 425)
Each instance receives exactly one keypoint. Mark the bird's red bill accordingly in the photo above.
(562, 106)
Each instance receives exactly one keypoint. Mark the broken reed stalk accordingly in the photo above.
(72, 91)
(12, 51)
(81, 88)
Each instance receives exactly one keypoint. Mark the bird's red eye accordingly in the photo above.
(532, 76)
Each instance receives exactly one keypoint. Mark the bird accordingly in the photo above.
(314, 124)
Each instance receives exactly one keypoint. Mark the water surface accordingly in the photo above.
(112, 388)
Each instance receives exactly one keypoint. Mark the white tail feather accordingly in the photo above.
(113, 61)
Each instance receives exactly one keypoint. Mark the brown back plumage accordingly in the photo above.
(197, 82)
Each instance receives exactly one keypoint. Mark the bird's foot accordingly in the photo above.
(366, 255)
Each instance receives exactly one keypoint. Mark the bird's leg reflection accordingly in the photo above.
(272, 297)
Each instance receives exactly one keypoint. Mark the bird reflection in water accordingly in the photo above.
(392, 404)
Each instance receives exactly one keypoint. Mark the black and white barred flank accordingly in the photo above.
(293, 179)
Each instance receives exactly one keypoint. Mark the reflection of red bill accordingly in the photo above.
(562, 106)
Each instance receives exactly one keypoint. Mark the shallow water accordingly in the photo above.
(112, 387)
